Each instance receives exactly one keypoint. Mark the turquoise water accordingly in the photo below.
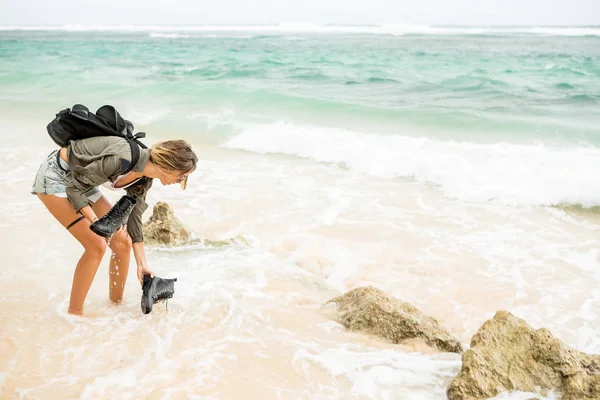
(495, 85)
(429, 162)
(494, 114)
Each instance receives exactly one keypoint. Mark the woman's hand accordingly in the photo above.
(141, 270)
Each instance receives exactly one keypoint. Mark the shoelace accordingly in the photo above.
(114, 215)
(162, 294)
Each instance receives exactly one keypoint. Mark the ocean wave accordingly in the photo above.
(584, 98)
(565, 69)
(501, 172)
(310, 76)
(564, 85)
(148, 115)
(382, 80)
(168, 35)
(388, 29)
(373, 80)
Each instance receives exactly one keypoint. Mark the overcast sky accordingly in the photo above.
(198, 12)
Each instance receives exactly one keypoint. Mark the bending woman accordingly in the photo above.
(67, 183)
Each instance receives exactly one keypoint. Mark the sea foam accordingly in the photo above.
(383, 28)
(513, 174)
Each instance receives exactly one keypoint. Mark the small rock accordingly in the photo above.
(164, 228)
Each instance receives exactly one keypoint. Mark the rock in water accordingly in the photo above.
(507, 354)
(164, 228)
(370, 310)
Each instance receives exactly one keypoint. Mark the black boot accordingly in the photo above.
(115, 218)
(154, 290)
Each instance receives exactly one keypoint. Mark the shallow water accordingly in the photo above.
(460, 220)
(253, 313)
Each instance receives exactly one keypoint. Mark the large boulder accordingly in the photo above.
(370, 310)
(506, 354)
(164, 228)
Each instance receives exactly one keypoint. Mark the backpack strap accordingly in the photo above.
(135, 145)
(136, 138)
(135, 155)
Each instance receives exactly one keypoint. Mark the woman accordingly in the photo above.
(67, 183)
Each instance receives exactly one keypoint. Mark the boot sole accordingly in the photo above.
(99, 232)
(146, 300)
(146, 305)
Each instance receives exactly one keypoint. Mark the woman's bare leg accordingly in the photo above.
(120, 244)
(94, 248)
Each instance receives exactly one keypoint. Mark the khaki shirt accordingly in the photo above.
(97, 160)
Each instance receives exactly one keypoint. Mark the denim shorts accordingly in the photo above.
(52, 179)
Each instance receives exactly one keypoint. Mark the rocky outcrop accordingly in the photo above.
(164, 228)
(370, 310)
(506, 354)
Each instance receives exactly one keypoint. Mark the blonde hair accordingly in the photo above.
(174, 155)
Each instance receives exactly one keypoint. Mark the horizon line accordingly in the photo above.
(276, 24)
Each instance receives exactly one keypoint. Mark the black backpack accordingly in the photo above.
(79, 123)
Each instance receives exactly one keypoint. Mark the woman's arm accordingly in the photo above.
(89, 214)
(135, 227)
(140, 259)
(134, 223)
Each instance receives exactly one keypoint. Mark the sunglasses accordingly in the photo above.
(181, 179)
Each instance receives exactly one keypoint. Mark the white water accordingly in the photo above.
(382, 29)
(498, 172)
(246, 321)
